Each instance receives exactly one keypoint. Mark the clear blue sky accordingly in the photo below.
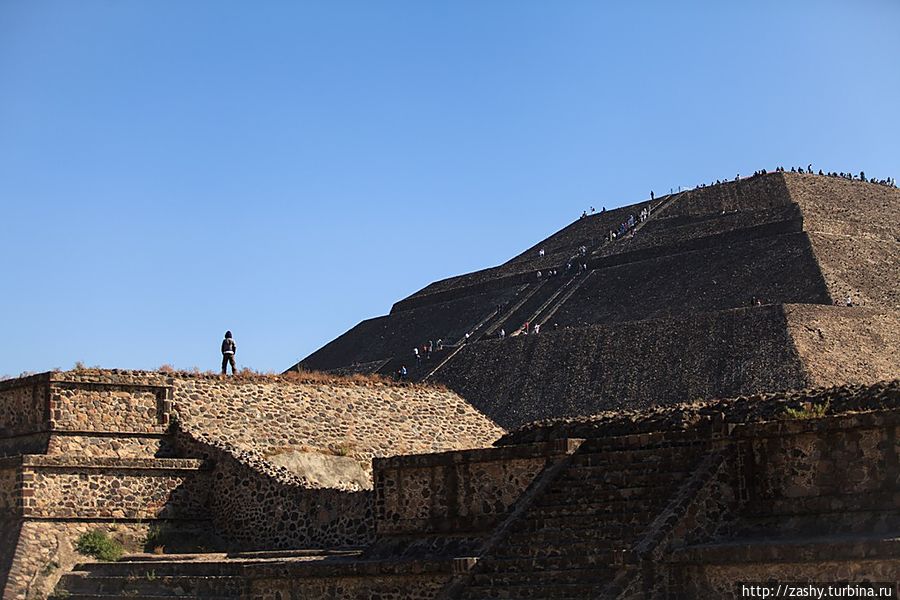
(169, 170)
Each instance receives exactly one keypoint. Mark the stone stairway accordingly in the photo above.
(542, 299)
(491, 325)
(580, 531)
(192, 576)
(567, 290)
(150, 577)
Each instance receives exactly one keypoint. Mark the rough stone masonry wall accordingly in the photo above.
(87, 488)
(822, 492)
(855, 230)
(635, 365)
(263, 417)
(254, 509)
(783, 269)
(23, 406)
(419, 580)
(702, 415)
(837, 475)
(785, 480)
(113, 445)
(840, 345)
(9, 490)
(420, 498)
(101, 406)
(723, 581)
(41, 551)
(101, 429)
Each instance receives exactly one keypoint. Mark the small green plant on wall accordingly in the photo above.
(99, 545)
(807, 411)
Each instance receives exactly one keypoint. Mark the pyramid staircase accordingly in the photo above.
(213, 576)
(581, 531)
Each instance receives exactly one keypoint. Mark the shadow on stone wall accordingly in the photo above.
(254, 509)
(9, 538)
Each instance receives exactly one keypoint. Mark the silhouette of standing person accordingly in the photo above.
(228, 350)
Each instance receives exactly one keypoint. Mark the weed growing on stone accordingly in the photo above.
(99, 545)
(808, 411)
(343, 450)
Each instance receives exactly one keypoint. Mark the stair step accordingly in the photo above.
(131, 596)
(565, 555)
(647, 502)
(600, 530)
(143, 568)
(603, 513)
(603, 493)
(137, 597)
(549, 577)
(643, 475)
(625, 459)
(554, 591)
(589, 505)
(152, 585)
(615, 537)
(518, 564)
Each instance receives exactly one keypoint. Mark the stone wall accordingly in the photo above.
(465, 492)
(118, 445)
(113, 488)
(783, 270)
(854, 230)
(419, 580)
(255, 507)
(792, 564)
(9, 488)
(708, 415)
(839, 345)
(263, 417)
(113, 407)
(778, 498)
(24, 406)
(581, 371)
(835, 206)
(84, 401)
(588, 370)
(834, 476)
(106, 443)
(126, 414)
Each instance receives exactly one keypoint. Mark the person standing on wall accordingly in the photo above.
(228, 350)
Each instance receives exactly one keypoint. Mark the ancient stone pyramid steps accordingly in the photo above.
(533, 299)
(209, 576)
(545, 297)
(576, 534)
(532, 296)
(789, 239)
(150, 579)
(833, 514)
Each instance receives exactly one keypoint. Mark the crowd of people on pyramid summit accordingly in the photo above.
(888, 182)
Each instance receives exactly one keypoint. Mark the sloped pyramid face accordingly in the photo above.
(725, 290)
